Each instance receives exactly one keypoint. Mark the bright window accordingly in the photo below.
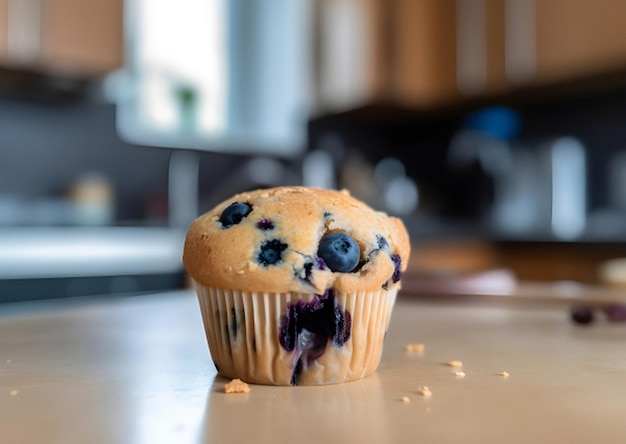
(218, 75)
(181, 64)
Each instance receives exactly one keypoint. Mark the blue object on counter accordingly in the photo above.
(499, 121)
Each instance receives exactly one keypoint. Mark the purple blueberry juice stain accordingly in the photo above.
(234, 324)
(265, 224)
(307, 328)
(321, 265)
(616, 312)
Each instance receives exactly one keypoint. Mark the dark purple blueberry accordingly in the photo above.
(397, 267)
(340, 252)
(234, 213)
(271, 252)
(265, 224)
(343, 326)
(616, 312)
(307, 328)
(582, 315)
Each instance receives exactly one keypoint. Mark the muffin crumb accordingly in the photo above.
(504, 374)
(405, 400)
(455, 363)
(415, 347)
(424, 391)
(13, 392)
(459, 374)
(236, 386)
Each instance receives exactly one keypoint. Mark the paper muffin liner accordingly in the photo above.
(295, 338)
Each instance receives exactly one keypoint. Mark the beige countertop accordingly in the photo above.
(137, 370)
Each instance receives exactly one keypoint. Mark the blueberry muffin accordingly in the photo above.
(296, 285)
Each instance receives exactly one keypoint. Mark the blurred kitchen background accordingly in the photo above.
(495, 128)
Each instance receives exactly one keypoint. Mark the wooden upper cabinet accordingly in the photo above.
(425, 53)
(383, 51)
(74, 37)
(4, 20)
(422, 51)
(579, 38)
(83, 35)
(495, 48)
(349, 54)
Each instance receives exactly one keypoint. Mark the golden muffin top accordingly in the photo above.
(296, 239)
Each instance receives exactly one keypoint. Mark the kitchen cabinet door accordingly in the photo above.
(411, 53)
(494, 41)
(74, 37)
(83, 35)
(349, 59)
(384, 51)
(449, 49)
(422, 54)
(423, 51)
(4, 19)
(579, 38)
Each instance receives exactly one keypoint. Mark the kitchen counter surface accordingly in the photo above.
(137, 370)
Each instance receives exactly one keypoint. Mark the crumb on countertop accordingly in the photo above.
(459, 374)
(455, 363)
(504, 374)
(236, 386)
(415, 347)
(13, 393)
(424, 391)
(405, 399)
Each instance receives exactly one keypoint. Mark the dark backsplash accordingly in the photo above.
(45, 146)
(593, 114)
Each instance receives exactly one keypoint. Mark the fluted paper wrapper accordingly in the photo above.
(243, 332)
